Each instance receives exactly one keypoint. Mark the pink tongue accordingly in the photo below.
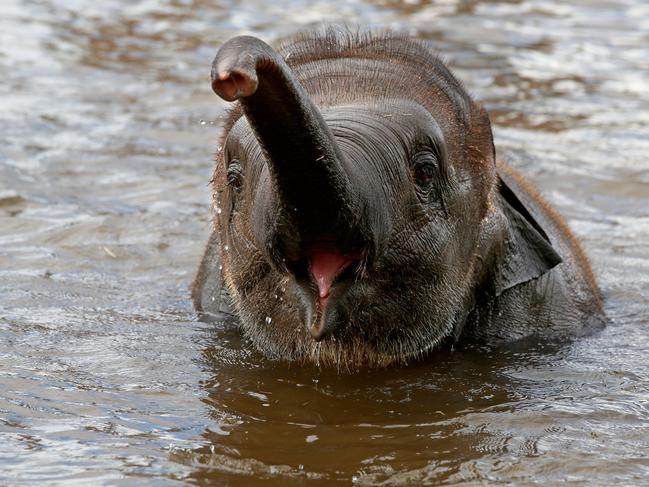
(325, 267)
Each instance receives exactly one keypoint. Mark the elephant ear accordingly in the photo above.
(528, 252)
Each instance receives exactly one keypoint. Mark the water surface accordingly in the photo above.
(108, 127)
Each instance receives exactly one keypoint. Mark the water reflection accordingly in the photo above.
(425, 422)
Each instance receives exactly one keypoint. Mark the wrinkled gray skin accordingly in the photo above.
(365, 147)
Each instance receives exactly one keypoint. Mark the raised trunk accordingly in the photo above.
(314, 192)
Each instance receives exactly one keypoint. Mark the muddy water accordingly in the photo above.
(107, 376)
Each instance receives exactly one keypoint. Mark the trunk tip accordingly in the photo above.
(232, 84)
(234, 69)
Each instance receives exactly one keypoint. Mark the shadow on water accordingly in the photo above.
(292, 423)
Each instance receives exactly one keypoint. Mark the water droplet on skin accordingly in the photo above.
(218, 211)
(226, 248)
(219, 148)
(311, 438)
(268, 320)
(300, 467)
(275, 296)
(220, 267)
(212, 449)
(203, 122)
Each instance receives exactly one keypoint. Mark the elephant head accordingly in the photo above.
(359, 212)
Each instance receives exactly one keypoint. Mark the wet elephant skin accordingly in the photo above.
(358, 181)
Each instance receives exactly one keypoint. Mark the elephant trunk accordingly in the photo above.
(313, 194)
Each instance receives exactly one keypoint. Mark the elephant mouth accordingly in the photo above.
(325, 267)
(323, 274)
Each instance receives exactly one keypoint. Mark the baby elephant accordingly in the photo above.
(361, 217)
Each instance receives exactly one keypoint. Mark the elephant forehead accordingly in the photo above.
(392, 121)
(400, 124)
(349, 79)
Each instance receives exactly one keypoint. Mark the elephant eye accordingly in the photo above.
(424, 170)
(235, 174)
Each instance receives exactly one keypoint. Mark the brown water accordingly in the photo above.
(108, 378)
